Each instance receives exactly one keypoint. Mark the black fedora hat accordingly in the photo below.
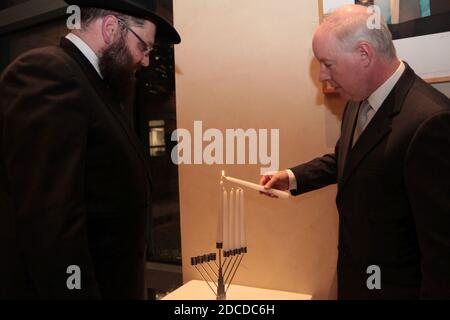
(137, 8)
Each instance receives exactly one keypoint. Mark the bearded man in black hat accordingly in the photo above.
(75, 185)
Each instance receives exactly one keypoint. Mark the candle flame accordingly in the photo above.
(223, 173)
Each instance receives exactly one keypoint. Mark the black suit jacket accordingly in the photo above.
(74, 182)
(393, 195)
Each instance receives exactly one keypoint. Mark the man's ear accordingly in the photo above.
(365, 53)
(110, 28)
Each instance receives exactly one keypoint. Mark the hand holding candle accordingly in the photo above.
(277, 180)
(257, 187)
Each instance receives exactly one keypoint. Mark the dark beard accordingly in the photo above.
(116, 67)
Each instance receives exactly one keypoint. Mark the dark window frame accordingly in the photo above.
(29, 14)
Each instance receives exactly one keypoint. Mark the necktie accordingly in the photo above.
(362, 120)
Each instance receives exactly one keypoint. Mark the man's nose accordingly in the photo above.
(324, 74)
(145, 62)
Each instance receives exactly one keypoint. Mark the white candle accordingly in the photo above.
(243, 243)
(226, 212)
(232, 219)
(222, 194)
(238, 219)
(254, 186)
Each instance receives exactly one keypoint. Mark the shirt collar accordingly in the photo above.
(85, 50)
(377, 98)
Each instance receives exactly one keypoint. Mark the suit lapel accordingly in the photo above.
(105, 95)
(377, 129)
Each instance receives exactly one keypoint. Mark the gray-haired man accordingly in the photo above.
(391, 164)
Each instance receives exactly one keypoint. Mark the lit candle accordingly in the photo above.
(254, 186)
(222, 194)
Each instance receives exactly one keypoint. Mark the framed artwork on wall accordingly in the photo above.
(420, 29)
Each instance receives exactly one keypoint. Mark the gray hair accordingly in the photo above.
(351, 29)
(89, 15)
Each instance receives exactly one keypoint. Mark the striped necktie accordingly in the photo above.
(361, 123)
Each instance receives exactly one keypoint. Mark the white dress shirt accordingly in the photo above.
(86, 50)
(376, 100)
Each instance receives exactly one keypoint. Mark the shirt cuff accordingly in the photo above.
(292, 180)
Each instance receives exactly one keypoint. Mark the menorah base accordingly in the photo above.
(221, 293)
(226, 270)
(221, 296)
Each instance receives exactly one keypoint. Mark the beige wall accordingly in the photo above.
(248, 64)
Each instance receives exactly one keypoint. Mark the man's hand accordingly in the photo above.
(278, 180)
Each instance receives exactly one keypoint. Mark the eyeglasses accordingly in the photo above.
(146, 49)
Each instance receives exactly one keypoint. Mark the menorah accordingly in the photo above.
(231, 238)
